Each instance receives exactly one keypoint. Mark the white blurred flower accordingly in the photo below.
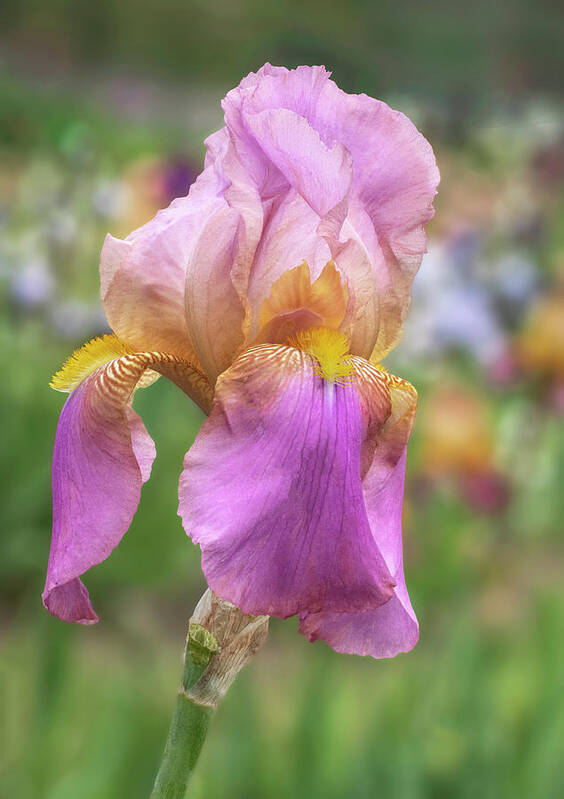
(514, 278)
(62, 227)
(450, 309)
(109, 198)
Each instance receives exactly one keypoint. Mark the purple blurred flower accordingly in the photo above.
(268, 295)
(178, 176)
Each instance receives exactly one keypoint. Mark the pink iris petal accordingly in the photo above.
(389, 201)
(321, 174)
(393, 627)
(143, 277)
(272, 492)
(301, 171)
(102, 456)
(290, 237)
(214, 306)
(395, 173)
(142, 284)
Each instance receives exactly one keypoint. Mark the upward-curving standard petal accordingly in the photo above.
(371, 218)
(302, 171)
(146, 278)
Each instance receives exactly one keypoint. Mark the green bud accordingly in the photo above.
(202, 645)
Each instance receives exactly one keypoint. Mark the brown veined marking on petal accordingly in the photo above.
(403, 396)
(277, 359)
(369, 376)
(148, 378)
(396, 430)
(295, 303)
(402, 393)
(189, 379)
(404, 406)
(125, 370)
(373, 390)
(264, 354)
(122, 376)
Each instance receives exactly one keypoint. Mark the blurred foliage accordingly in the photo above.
(451, 49)
(476, 709)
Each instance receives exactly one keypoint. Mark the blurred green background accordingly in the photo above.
(103, 109)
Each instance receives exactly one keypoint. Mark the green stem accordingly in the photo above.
(190, 721)
(221, 640)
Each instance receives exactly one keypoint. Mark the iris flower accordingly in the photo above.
(269, 295)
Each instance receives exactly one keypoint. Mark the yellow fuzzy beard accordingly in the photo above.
(330, 348)
(86, 360)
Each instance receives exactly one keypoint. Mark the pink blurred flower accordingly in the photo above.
(268, 294)
(504, 370)
(485, 492)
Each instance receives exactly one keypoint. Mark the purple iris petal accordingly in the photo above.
(393, 627)
(272, 492)
(102, 456)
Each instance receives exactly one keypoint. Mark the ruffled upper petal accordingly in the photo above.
(379, 239)
(143, 277)
(102, 456)
(271, 490)
(321, 174)
(393, 627)
(298, 90)
(301, 171)
(215, 303)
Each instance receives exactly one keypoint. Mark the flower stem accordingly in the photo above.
(221, 640)
(190, 721)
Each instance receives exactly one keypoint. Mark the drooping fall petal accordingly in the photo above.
(272, 492)
(393, 627)
(102, 456)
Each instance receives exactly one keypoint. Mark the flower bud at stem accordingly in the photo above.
(221, 640)
(238, 638)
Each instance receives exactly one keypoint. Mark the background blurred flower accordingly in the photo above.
(147, 185)
(455, 432)
(485, 492)
(457, 445)
(452, 308)
(540, 345)
(33, 286)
